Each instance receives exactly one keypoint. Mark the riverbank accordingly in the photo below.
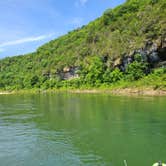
(117, 91)
(144, 92)
(126, 91)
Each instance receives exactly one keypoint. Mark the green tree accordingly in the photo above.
(34, 80)
(136, 70)
(107, 17)
(112, 76)
(92, 70)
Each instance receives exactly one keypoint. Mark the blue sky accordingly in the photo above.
(27, 24)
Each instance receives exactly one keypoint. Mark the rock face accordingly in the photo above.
(69, 73)
(154, 53)
(117, 62)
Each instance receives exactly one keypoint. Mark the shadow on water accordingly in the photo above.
(81, 129)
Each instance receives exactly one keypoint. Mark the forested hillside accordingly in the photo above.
(127, 43)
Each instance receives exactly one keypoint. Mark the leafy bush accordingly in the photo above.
(136, 70)
(159, 71)
(112, 76)
(34, 80)
(107, 17)
(92, 70)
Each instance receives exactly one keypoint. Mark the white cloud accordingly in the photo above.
(24, 40)
(80, 3)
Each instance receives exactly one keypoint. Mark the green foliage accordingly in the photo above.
(154, 2)
(130, 6)
(138, 58)
(113, 76)
(92, 70)
(136, 70)
(159, 71)
(34, 80)
(117, 33)
(108, 17)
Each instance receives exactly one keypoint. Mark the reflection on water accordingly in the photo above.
(81, 129)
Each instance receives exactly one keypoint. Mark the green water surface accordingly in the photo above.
(81, 129)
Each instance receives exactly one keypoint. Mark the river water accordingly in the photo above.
(81, 129)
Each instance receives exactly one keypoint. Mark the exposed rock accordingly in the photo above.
(163, 44)
(143, 55)
(159, 43)
(153, 48)
(122, 68)
(131, 53)
(162, 53)
(154, 58)
(153, 53)
(117, 62)
(126, 61)
(69, 73)
(66, 69)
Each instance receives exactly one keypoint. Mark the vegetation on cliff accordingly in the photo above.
(126, 44)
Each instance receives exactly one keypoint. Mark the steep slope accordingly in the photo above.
(132, 33)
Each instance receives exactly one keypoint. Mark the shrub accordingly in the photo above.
(136, 70)
(107, 17)
(34, 80)
(159, 71)
(92, 70)
(112, 76)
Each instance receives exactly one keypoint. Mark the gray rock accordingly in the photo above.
(125, 62)
(154, 57)
(154, 47)
(144, 56)
(69, 73)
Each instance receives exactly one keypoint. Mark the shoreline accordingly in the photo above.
(114, 91)
(125, 92)
(139, 92)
